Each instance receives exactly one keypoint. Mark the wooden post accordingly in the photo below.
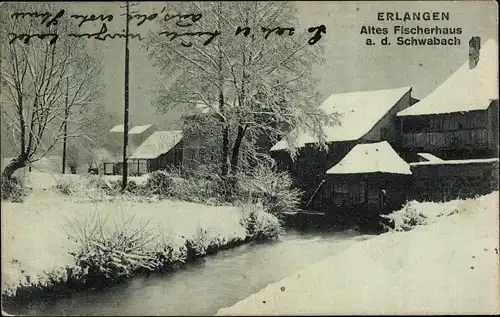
(125, 112)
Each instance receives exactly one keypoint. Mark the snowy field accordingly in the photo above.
(41, 180)
(35, 238)
(450, 266)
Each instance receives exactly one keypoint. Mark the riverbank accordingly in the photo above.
(36, 244)
(447, 267)
(203, 287)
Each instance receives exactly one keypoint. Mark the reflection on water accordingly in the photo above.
(218, 281)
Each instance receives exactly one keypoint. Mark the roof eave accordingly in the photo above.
(370, 173)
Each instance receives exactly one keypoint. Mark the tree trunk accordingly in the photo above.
(14, 165)
(236, 149)
(225, 139)
(225, 150)
(224, 124)
(65, 139)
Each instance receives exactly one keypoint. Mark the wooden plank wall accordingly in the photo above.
(463, 139)
(309, 168)
(447, 182)
(454, 131)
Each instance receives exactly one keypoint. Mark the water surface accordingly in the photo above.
(217, 281)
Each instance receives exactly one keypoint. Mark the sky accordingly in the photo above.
(350, 65)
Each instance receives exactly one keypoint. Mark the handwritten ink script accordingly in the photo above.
(182, 20)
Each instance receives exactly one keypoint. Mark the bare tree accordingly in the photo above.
(74, 157)
(249, 64)
(34, 74)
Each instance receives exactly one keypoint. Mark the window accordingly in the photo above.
(190, 154)
(350, 193)
(341, 188)
(384, 133)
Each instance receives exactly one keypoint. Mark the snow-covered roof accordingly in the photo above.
(118, 128)
(359, 112)
(456, 162)
(135, 130)
(158, 143)
(466, 90)
(429, 157)
(371, 158)
(139, 129)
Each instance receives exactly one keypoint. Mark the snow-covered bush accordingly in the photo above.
(115, 187)
(113, 249)
(95, 181)
(197, 190)
(198, 244)
(13, 189)
(98, 183)
(65, 186)
(273, 188)
(416, 213)
(259, 224)
(407, 218)
(158, 183)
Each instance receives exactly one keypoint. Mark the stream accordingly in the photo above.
(218, 281)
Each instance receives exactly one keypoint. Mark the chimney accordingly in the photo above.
(474, 47)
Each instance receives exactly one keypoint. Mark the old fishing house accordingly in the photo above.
(449, 139)
(364, 117)
(455, 130)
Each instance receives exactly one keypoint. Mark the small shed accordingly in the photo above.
(136, 136)
(370, 180)
(159, 151)
(446, 180)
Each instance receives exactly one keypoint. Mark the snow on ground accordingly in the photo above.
(48, 180)
(35, 239)
(448, 267)
(416, 213)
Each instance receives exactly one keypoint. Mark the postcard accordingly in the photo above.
(249, 158)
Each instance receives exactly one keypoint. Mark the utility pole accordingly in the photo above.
(65, 139)
(125, 112)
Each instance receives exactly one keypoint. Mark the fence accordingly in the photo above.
(134, 168)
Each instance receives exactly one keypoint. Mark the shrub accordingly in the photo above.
(159, 183)
(273, 188)
(416, 213)
(98, 182)
(65, 186)
(113, 250)
(13, 189)
(407, 218)
(95, 181)
(260, 225)
(115, 187)
(198, 190)
(198, 245)
(207, 184)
